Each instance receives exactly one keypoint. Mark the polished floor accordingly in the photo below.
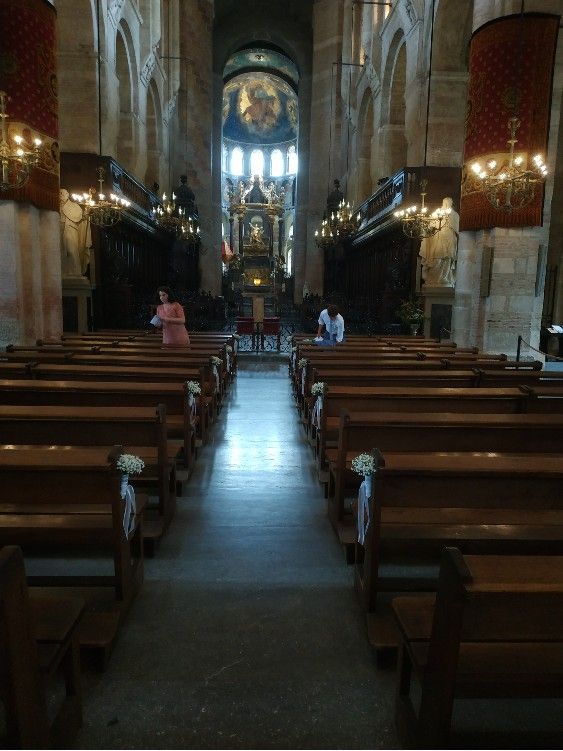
(246, 633)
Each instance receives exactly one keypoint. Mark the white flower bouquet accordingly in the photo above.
(363, 464)
(129, 464)
(229, 348)
(193, 387)
(319, 388)
(215, 360)
(302, 363)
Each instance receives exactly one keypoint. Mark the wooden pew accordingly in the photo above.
(493, 631)
(70, 498)
(409, 399)
(486, 502)
(143, 430)
(112, 393)
(38, 637)
(446, 431)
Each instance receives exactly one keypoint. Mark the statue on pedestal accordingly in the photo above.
(439, 252)
(76, 239)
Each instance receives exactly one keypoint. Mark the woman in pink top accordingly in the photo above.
(172, 319)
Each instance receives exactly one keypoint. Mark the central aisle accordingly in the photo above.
(246, 633)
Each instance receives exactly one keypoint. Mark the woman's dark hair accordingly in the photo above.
(332, 310)
(171, 296)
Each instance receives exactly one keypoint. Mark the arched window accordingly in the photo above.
(292, 160)
(276, 163)
(236, 161)
(257, 163)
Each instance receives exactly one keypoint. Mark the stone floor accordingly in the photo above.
(246, 633)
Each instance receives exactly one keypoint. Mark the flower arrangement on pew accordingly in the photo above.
(318, 389)
(193, 388)
(129, 464)
(215, 363)
(229, 348)
(302, 363)
(364, 464)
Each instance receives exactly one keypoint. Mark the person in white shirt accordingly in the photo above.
(331, 326)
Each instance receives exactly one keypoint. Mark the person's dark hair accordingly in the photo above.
(332, 311)
(171, 296)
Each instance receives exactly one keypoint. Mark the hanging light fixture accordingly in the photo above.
(103, 211)
(510, 184)
(346, 222)
(16, 161)
(325, 236)
(418, 223)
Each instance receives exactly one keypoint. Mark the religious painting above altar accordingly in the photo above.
(259, 108)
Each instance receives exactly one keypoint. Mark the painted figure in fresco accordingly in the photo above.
(259, 106)
(76, 239)
(439, 252)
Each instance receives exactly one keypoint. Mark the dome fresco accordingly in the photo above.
(260, 58)
(259, 108)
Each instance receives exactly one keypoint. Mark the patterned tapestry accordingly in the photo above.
(510, 74)
(28, 73)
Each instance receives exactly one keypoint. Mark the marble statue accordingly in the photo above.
(439, 252)
(76, 239)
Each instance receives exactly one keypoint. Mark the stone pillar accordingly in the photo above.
(194, 149)
(30, 257)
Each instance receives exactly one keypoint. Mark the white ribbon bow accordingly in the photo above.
(216, 374)
(317, 409)
(193, 408)
(364, 494)
(303, 376)
(130, 510)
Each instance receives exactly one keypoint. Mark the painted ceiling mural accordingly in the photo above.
(259, 108)
(261, 58)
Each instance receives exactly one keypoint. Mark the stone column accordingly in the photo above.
(194, 150)
(30, 258)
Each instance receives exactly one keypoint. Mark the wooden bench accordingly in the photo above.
(38, 638)
(478, 501)
(406, 432)
(70, 499)
(142, 429)
(411, 399)
(115, 393)
(493, 631)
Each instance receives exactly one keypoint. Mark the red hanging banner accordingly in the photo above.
(511, 64)
(28, 73)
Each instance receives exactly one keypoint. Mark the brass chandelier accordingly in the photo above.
(346, 222)
(101, 210)
(418, 223)
(172, 218)
(16, 161)
(325, 237)
(511, 184)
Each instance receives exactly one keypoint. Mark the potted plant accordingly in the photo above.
(411, 314)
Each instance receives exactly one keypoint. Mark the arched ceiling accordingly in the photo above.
(260, 58)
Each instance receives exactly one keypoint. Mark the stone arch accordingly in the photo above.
(393, 141)
(125, 72)
(153, 130)
(364, 147)
(452, 32)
